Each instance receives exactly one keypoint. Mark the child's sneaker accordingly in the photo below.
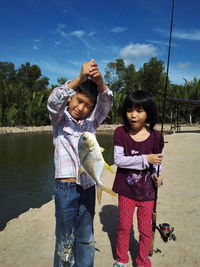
(119, 264)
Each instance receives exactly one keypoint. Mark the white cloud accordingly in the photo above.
(91, 33)
(183, 65)
(190, 35)
(36, 44)
(57, 43)
(105, 61)
(60, 30)
(157, 42)
(137, 51)
(179, 34)
(78, 34)
(35, 47)
(118, 29)
(162, 32)
(75, 63)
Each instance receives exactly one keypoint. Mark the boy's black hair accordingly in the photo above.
(89, 89)
(140, 99)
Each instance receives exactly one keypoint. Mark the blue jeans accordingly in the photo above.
(74, 211)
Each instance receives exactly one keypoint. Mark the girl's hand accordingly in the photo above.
(154, 158)
(158, 180)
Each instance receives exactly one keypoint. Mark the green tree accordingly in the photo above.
(7, 76)
(152, 76)
(131, 79)
(152, 79)
(28, 75)
(61, 80)
(114, 74)
(23, 95)
(121, 80)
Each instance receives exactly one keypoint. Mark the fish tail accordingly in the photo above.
(108, 167)
(101, 188)
(108, 190)
(99, 193)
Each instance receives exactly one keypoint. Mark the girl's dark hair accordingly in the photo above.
(89, 89)
(140, 99)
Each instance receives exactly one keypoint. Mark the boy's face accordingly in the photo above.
(80, 106)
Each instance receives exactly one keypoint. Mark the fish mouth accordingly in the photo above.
(84, 138)
(87, 140)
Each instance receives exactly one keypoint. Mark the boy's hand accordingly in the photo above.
(158, 180)
(154, 158)
(89, 69)
(86, 69)
(96, 76)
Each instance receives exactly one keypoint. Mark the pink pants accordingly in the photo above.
(126, 207)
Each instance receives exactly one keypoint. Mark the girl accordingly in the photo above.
(137, 152)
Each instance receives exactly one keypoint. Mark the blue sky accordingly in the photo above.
(59, 35)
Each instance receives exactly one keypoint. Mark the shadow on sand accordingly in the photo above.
(186, 130)
(189, 131)
(109, 220)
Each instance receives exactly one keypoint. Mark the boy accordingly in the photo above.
(76, 107)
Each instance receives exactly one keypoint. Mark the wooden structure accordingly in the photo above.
(175, 103)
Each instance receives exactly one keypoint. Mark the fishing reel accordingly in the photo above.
(166, 232)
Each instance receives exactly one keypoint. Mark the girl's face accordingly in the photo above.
(136, 118)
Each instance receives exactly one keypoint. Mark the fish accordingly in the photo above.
(92, 162)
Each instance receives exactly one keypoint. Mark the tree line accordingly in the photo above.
(24, 91)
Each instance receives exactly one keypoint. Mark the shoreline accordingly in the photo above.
(103, 128)
(106, 128)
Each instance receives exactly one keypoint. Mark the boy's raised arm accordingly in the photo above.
(59, 96)
(104, 100)
(86, 70)
(57, 102)
(96, 76)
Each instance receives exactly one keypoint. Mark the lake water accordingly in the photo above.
(27, 171)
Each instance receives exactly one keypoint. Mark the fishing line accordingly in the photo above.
(118, 13)
(104, 35)
(166, 83)
(164, 229)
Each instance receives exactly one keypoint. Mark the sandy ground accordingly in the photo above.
(28, 241)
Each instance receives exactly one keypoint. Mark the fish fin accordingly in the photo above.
(99, 193)
(108, 167)
(108, 190)
(80, 170)
(102, 149)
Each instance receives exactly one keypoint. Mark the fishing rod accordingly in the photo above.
(164, 229)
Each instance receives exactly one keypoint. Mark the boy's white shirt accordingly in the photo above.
(67, 131)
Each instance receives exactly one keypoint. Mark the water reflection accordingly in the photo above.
(26, 172)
